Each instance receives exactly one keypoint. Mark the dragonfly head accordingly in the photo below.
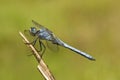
(33, 31)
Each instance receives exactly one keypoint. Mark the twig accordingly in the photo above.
(42, 67)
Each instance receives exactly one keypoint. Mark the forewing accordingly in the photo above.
(38, 25)
(42, 27)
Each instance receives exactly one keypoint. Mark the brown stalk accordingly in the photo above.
(42, 67)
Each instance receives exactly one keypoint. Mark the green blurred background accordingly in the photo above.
(89, 25)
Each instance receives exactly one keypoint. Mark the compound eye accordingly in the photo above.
(33, 31)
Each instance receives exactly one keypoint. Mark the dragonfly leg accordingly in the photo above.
(43, 49)
(41, 44)
(33, 42)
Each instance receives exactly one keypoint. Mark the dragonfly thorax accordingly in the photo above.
(42, 34)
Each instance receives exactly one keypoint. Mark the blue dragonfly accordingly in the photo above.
(42, 33)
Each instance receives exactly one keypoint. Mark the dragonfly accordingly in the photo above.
(42, 33)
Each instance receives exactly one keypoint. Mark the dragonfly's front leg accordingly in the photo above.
(33, 42)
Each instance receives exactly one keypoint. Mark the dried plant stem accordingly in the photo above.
(42, 67)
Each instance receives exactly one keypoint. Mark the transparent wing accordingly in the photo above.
(52, 47)
(38, 25)
(41, 27)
